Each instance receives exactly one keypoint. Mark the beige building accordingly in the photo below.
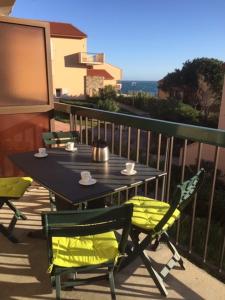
(77, 73)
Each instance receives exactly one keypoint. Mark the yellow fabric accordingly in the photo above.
(14, 187)
(148, 212)
(85, 250)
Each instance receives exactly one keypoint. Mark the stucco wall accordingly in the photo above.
(221, 123)
(162, 94)
(112, 70)
(93, 84)
(66, 72)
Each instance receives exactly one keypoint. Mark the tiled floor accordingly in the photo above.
(23, 268)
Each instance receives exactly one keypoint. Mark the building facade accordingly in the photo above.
(77, 73)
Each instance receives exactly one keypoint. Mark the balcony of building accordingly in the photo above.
(91, 58)
(199, 236)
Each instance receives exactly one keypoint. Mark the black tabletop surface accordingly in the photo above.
(60, 173)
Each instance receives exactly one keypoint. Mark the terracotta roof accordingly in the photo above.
(65, 30)
(99, 73)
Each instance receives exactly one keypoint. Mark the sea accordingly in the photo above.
(130, 86)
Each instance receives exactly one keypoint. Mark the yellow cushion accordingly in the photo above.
(85, 250)
(148, 212)
(14, 187)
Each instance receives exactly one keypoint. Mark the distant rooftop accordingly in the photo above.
(99, 73)
(65, 30)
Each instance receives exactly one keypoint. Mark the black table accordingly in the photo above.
(60, 171)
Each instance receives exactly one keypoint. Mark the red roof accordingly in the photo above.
(99, 73)
(65, 30)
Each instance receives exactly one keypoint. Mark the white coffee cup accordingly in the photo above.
(130, 167)
(42, 151)
(70, 146)
(85, 176)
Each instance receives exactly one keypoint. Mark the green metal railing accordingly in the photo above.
(166, 145)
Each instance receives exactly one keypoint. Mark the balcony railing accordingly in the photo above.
(91, 58)
(165, 145)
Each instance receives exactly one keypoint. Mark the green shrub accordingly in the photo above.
(108, 92)
(107, 104)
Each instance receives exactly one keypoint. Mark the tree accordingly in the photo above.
(200, 82)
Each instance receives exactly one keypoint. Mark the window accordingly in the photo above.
(58, 93)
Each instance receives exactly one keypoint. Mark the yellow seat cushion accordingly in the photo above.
(85, 250)
(148, 212)
(14, 187)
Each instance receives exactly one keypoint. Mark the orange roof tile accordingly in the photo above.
(65, 30)
(99, 73)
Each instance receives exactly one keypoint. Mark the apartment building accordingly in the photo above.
(76, 72)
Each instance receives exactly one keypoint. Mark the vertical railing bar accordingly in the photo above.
(127, 194)
(184, 161)
(148, 147)
(135, 190)
(112, 199)
(75, 122)
(222, 256)
(211, 203)
(147, 160)
(113, 132)
(164, 169)
(182, 179)
(92, 130)
(200, 146)
(169, 169)
(71, 122)
(120, 139)
(81, 133)
(146, 188)
(128, 142)
(138, 145)
(86, 130)
(119, 198)
(158, 164)
(99, 129)
(105, 131)
(159, 151)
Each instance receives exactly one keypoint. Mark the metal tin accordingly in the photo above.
(100, 152)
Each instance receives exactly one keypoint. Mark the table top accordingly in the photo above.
(60, 173)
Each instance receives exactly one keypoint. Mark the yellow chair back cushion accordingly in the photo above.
(14, 187)
(148, 212)
(85, 250)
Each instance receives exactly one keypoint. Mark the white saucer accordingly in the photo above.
(90, 182)
(39, 155)
(124, 172)
(73, 150)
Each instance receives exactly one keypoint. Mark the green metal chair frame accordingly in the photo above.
(183, 195)
(84, 223)
(58, 138)
(18, 215)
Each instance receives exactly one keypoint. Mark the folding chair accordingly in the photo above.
(59, 138)
(81, 241)
(12, 188)
(153, 218)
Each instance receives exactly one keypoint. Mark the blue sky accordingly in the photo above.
(146, 38)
